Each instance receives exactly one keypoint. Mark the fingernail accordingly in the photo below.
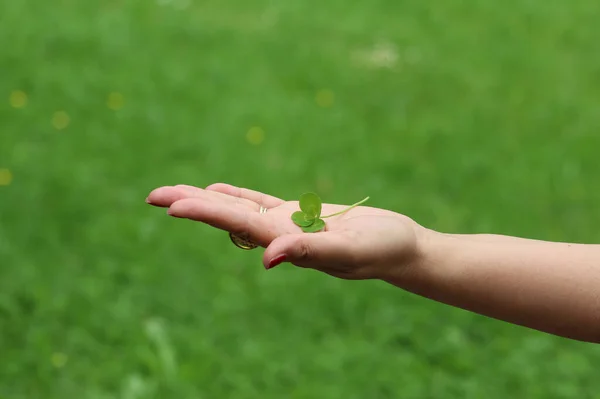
(148, 200)
(279, 259)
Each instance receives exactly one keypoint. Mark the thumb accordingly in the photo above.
(311, 250)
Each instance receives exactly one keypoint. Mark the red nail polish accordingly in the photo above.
(276, 261)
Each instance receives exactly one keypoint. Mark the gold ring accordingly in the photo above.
(243, 242)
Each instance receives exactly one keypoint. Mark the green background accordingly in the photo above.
(470, 117)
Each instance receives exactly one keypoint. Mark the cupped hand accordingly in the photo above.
(363, 243)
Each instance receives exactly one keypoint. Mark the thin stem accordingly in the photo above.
(346, 210)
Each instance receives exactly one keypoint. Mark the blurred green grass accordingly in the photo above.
(467, 116)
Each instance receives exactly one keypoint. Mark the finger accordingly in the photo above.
(233, 218)
(166, 196)
(265, 200)
(323, 251)
(216, 195)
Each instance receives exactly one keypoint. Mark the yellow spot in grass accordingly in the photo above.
(5, 177)
(115, 101)
(325, 98)
(18, 99)
(59, 360)
(60, 120)
(255, 135)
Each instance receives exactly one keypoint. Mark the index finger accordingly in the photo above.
(235, 219)
(268, 201)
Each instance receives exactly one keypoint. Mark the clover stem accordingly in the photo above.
(346, 210)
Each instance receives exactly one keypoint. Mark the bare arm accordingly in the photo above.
(551, 287)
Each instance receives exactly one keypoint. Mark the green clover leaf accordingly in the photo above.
(318, 225)
(310, 204)
(300, 218)
(309, 215)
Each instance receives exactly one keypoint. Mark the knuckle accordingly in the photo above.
(305, 250)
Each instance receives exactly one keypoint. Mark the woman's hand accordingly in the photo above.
(363, 243)
(551, 287)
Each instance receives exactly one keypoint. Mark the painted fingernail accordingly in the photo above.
(279, 259)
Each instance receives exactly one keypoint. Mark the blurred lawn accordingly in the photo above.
(478, 116)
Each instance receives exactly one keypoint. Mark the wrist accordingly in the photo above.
(418, 272)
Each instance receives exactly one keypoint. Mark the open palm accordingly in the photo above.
(364, 242)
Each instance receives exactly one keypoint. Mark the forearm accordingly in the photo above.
(552, 287)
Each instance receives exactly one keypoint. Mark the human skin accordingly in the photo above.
(548, 286)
